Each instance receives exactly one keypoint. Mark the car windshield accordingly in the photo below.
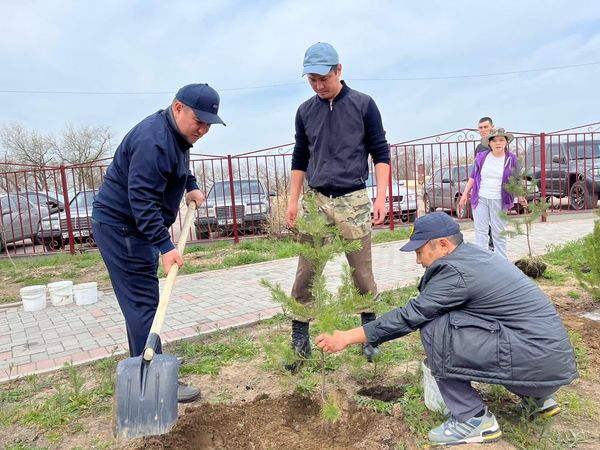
(584, 150)
(83, 200)
(241, 187)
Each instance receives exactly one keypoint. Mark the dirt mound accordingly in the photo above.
(290, 422)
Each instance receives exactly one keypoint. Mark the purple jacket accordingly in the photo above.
(510, 162)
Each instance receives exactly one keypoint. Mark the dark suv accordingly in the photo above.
(572, 169)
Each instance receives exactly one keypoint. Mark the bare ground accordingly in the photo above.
(248, 407)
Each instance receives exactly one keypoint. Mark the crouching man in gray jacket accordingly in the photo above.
(481, 319)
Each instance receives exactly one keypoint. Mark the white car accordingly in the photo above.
(404, 201)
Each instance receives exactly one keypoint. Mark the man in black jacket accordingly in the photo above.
(336, 131)
(139, 200)
(481, 319)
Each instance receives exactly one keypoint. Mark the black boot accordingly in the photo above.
(300, 344)
(370, 351)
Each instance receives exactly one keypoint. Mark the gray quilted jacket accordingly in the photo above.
(495, 325)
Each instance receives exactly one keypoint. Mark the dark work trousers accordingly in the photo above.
(462, 400)
(132, 263)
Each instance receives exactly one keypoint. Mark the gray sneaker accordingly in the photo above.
(187, 393)
(473, 430)
(544, 406)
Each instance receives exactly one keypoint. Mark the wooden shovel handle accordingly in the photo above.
(165, 296)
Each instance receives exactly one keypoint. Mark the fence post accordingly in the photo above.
(63, 180)
(391, 195)
(543, 170)
(236, 237)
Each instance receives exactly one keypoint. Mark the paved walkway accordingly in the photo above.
(37, 342)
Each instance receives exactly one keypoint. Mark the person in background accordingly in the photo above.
(491, 171)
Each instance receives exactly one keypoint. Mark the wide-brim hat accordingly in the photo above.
(495, 133)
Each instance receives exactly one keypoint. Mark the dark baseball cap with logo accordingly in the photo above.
(203, 100)
(430, 226)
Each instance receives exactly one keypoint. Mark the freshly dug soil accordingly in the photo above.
(532, 267)
(286, 422)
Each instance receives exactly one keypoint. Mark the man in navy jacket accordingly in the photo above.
(139, 200)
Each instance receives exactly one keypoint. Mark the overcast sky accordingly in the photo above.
(123, 60)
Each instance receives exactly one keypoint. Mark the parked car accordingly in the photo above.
(404, 201)
(19, 219)
(54, 230)
(45, 203)
(572, 170)
(252, 209)
(445, 187)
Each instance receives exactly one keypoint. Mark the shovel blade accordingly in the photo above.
(145, 396)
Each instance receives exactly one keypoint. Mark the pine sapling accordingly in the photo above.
(329, 311)
(522, 188)
(588, 272)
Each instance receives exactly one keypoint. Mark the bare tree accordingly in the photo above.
(25, 147)
(84, 144)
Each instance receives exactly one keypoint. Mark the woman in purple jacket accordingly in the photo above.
(490, 174)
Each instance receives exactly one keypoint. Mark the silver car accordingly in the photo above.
(20, 219)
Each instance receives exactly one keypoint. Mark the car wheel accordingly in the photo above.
(52, 244)
(427, 204)
(461, 213)
(580, 197)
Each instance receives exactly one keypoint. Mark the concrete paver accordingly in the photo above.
(42, 341)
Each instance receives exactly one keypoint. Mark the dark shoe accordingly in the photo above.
(545, 406)
(300, 344)
(370, 351)
(187, 393)
(180, 360)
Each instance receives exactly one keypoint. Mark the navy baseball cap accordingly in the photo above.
(319, 58)
(430, 226)
(203, 100)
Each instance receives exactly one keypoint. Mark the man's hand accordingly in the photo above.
(292, 214)
(170, 258)
(331, 343)
(196, 195)
(463, 201)
(379, 211)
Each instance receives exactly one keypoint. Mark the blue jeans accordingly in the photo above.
(132, 263)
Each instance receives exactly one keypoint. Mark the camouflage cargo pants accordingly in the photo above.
(351, 213)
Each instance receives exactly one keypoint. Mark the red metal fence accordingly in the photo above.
(46, 209)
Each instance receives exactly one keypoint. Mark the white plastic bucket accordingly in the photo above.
(86, 293)
(34, 298)
(61, 292)
(433, 398)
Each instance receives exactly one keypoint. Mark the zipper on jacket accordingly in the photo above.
(330, 105)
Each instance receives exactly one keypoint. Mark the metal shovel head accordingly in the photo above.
(145, 396)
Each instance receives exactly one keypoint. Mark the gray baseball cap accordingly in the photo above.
(319, 58)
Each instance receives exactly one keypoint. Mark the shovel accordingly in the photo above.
(146, 385)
